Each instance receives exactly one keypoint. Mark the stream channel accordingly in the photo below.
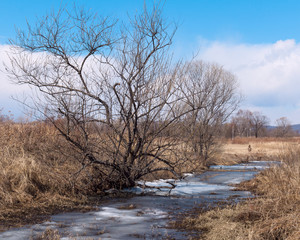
(146, 215)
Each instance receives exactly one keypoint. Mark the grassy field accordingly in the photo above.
(273, 214)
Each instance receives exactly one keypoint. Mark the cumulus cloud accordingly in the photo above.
(8, 90)
(269, 74)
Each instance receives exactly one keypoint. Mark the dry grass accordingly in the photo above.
(49, 234)
(32, 164)
(37, 178)
(37, 174)
(237, 150)
(248, 140)
(273, 215)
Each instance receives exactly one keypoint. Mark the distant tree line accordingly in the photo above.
(246, 123)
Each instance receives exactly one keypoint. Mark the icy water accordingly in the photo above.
(146, 215)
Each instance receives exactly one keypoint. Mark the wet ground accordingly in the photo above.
(146, 215)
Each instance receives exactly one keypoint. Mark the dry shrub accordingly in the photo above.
(274, 215)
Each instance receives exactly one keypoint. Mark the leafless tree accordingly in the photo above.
(212, 95)
(109, 88)
(247, 124)
(258, 123)
(242, 123)
(283, 127)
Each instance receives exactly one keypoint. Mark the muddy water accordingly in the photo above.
(146, 215)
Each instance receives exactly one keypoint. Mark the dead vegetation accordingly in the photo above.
(41, 174)
(35, 162)
(274, 214)
(243, 149)
(38, 174)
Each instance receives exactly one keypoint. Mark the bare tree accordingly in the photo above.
(258, 123)
(242, 123)
(247, 123)
(109, 89)
(211, 94)
(283, 127)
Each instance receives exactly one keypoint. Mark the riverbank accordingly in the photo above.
(273, 214)
(38, 179)
(146, 215)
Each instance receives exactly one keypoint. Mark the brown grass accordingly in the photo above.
(273, 215)
(37, 174)
(32, 164)
(248, 140)
(49, 234)
(237, 150)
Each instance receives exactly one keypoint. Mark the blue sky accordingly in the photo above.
(257, 40)
(250, 21)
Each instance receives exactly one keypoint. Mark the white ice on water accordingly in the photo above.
(253, 165)
(183, 187)
(192, 186)
(107, 223)
(237, 167)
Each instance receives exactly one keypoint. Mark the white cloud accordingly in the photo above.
(269, 74)
(7, 88)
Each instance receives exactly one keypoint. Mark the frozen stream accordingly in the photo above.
(146, 217)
